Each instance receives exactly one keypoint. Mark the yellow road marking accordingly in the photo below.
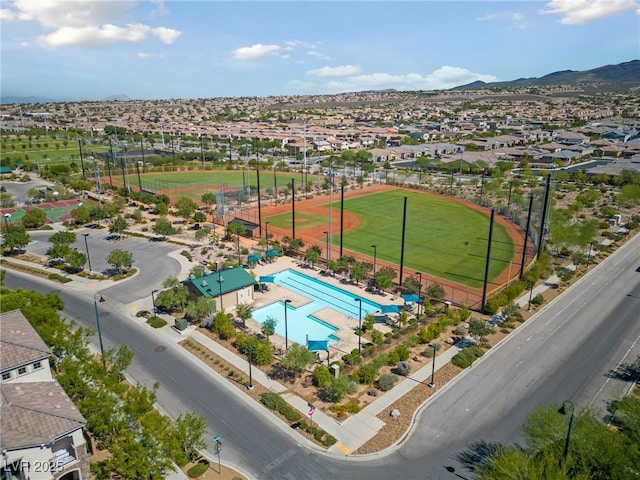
(343, 449)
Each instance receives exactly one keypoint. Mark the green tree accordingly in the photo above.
(199, 309)
(118, 360)
(185, 207)
(34, 218)
(202, 233)
(269, 326)
(121, 260)
(189, 431)
(297, 358)
(358, 271)
(244, 312)
(223, 326)
(63, 238)
(236, 228)
(199, 217)
(16, 238)
(479, 329)
(208, 199)
(75, 260)
(81, 215)
(117, 226)
(435, 292)
(339, 387)
(58, 251)
(163, 227)
(384, 277)
(312, 255)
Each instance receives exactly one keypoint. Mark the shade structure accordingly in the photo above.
(272, 253)
(253, 258)
(408, 298)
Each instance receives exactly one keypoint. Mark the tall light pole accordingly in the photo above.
(220, 280)
(327, 235)
(86, 246)
(250, 386)
(99, 298)
(433, 367)
(286, 333)
(359, 300)
(153, 300)
(563, 411)
(419, 292)
(375, 257)
(266, 234)
(7, 216)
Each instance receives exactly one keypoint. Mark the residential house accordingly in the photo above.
(42, 435)
(228, 287)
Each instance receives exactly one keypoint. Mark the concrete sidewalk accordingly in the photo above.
(358, 429)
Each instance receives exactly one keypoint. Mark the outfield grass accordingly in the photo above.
(443, 238)
(303, 220)
(230, 178)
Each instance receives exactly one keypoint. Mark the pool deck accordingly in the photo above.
(345, 324)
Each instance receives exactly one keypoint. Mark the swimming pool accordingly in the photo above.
(301, 321)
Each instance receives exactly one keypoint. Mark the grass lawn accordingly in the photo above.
(230, 178)
(303, 220)
(442, 238)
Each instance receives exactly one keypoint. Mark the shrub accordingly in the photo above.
(538, 300)
(427, 352)
(157, 322)
(186, 254)
(465, 357)
(272, 401)
(393, 358)
(366, 374)
(403, 352)
(387, 381)
(328, 440)
(321, 376)
(350, 407)
(143, 313)
(403, 368)
(377, 337)
(565, 274)
(198, 469)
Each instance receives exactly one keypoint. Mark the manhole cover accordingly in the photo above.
(161, 348)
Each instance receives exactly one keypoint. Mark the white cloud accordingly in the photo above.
(88, 23)
(144, 55)
(166, 35)
(518, 19)
(443, 78)
(319, 55)
(340, 71)
(575, 12)
(92, 36)
(256, 51)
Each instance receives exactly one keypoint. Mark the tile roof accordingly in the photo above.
(19, 342)
(232, 279)
(35, 413)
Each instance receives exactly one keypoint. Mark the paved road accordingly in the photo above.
(150, 258)
(564, 353)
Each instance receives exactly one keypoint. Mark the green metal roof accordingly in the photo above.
(227, 280)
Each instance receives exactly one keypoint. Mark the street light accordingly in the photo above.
(563, 411)
(99, 298)
(250, 386)
(220, 280)
(266, 233)
(375, 257)
(86, 246)
(7, 216)
(433, 367)
(286, 333)
(419, 292)
(153, 301)
(327, 234)
(359, 300)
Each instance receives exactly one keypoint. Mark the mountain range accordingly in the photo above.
(621, 76)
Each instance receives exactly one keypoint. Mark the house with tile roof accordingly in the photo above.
(42, 435)
(228, 286)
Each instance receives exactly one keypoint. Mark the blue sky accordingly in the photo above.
(89, 50)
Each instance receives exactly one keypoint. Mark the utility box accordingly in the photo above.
(181, 323)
